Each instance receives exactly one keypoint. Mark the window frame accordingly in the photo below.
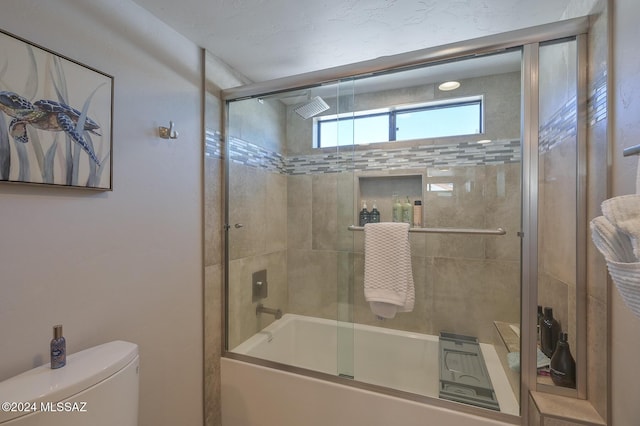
(393, 112)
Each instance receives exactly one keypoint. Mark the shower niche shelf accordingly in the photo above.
(381, 188)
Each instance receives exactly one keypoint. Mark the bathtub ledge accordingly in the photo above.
(570, 410)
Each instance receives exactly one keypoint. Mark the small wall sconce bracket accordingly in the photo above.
(168, 132)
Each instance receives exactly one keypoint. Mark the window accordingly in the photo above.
(422, 121)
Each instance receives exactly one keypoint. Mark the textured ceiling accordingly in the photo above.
(267, 39)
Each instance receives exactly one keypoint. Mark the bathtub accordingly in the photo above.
(366, 353)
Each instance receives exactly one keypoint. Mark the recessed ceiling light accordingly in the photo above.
(484, 141)
(449, 85)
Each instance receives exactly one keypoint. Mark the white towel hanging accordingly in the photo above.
(388, 279)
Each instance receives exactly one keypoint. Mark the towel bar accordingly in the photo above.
(632, 150)
(498, 231)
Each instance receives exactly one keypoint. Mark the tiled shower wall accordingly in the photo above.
(463, 283)
(597, 135)
(299, 191)
(257, 206)
(295, 226)
(295, 210)
(557, 184)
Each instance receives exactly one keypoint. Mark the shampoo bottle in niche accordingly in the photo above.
(364, 214)
(374, 216)
(539, 321)
(397, 209)
(549, 332)
(407, 212)
(417, 213)
(563, 366)
(58, 348)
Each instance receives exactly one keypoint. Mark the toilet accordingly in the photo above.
(97, 387)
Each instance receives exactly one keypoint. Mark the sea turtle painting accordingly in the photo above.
(46, 115)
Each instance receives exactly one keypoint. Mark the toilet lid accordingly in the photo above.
(83, 370)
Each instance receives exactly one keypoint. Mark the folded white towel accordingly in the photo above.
(626, 277)
(624, 213)
(388, 279)
(617, 236)
(612, 243)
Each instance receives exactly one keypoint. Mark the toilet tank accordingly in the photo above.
(97, 387)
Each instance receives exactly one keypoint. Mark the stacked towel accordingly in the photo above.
(613, 244)
(624, 213)
(388, 279)
(617, 235)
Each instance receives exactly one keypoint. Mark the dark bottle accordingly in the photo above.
(540, 314)
(549, 332)
(563, 366)
(539, 322)
(374, 216)
(365, 216)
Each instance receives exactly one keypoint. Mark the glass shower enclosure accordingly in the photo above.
(305, 162)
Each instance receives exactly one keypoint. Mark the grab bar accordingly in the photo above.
(498, 231)
(632, 150)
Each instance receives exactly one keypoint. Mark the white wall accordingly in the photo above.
(625, 93)
(125, 264)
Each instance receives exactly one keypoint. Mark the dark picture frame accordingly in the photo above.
(56, 118)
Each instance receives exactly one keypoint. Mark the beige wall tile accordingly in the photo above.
(469, 295)
(312, 277)
(597, 354)
(299, 212)
(557, 207)
(243, 321)
(247, 189)
(324, 214)
(275, 212)
(212, 342)
(503, 210)
(213, 213)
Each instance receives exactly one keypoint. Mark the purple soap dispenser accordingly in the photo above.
(58, 348)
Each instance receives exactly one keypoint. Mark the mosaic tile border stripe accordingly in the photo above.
(466, 153)
(597, 104)
(213, 144)
(419, 157)
(242, 152)
(561, 126)
(563, 123)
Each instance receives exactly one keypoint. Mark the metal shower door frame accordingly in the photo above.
(529, 40)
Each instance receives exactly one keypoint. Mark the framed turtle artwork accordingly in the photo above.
(55, 118)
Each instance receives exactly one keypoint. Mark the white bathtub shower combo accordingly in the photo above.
(390, 358)
(302, 345)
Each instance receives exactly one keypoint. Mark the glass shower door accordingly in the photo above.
(466, 284)
(346, 254)
(289, 250)
(561, 207)
(256, 218)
